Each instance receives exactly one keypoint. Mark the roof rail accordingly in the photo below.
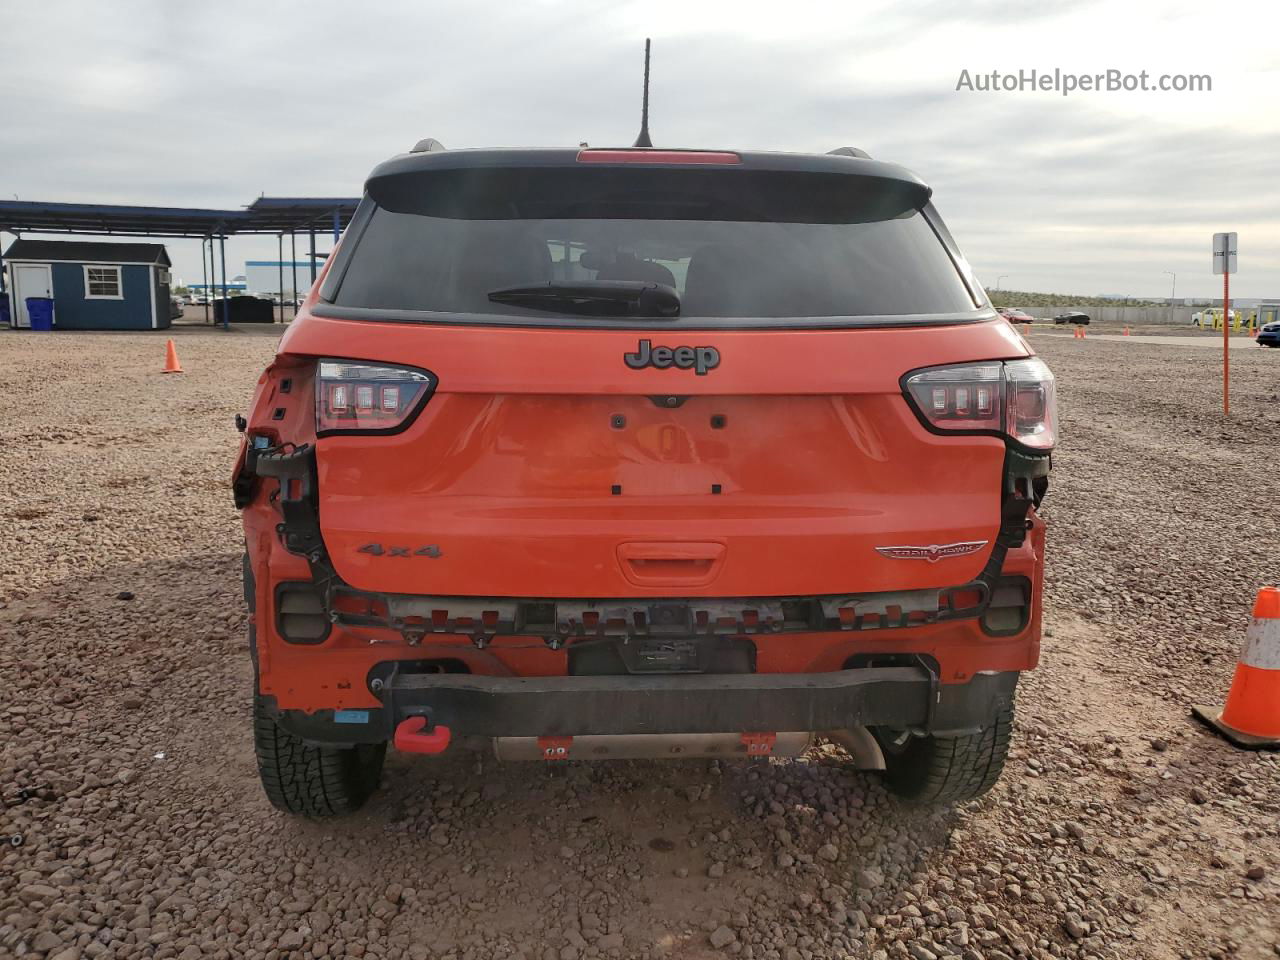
(849, 152)
(427, 145)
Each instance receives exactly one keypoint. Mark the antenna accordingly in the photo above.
(643, 140)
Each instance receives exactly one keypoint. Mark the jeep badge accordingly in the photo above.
(701, 359)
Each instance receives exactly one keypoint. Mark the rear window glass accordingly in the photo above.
(772, 246)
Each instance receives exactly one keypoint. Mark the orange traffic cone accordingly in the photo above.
(1251, 717)
(171, 364)
(1075, 332)
(1126, 331)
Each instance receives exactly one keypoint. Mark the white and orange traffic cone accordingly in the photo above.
(1251, 718)
(1126, 331)
(171, 364)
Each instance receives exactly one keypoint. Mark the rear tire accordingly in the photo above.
(312, 781)
(943, 770)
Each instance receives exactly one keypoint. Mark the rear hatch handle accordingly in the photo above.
(671, 563)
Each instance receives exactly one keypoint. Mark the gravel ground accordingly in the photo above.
(1121, 829)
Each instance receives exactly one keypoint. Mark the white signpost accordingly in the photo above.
(1224, 262)
(1224, 253)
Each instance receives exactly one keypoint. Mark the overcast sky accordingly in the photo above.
(213, 104)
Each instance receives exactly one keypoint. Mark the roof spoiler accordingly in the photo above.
(427, 145)
(849, 152)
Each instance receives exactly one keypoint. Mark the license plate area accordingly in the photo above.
(666, 655)
(662, 655)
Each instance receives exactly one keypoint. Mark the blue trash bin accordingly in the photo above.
(40, 310)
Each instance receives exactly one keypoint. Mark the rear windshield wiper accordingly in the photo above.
(595, 298)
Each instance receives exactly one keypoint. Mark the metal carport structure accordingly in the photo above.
(266, 215)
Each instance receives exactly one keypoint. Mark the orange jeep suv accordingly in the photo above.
(591, 454)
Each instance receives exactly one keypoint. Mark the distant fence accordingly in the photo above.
(1177, 316)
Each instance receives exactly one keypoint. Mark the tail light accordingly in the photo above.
(1013, 398)
(354, 397)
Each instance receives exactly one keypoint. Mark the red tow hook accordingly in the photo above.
(411, 739)
(759, 744)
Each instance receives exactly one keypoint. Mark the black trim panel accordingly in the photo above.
(682, 324)
(350, 240)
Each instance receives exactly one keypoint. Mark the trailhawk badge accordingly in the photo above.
(934, 552)
(700, 359)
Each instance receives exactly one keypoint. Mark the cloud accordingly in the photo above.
(214, 104)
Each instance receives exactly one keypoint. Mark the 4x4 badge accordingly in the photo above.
(700, 359)
(378, 550)
(934, 552)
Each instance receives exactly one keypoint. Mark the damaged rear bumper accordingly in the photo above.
(900, 697)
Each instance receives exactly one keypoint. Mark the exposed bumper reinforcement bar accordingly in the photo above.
(470, 705)
(696, 703)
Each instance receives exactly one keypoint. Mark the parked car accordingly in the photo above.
(1072, 316)
(1267, 319)
(1212, 317)
(1014, 315)
(175, 308)
(553, 529)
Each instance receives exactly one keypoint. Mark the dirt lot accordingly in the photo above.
(1120, 829)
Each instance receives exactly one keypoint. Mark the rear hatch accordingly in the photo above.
(652, 379)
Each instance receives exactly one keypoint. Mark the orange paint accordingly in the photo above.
(777, 475)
